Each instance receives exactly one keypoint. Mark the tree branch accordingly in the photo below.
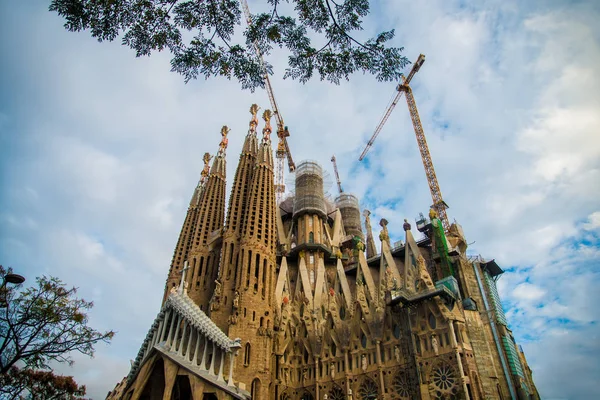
(344, 31)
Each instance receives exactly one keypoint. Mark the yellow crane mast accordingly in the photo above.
(337, 175)
(283, 149)
(439, 205)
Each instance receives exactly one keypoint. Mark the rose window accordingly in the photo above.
(368, 390)
(401, 386)
(443, 377)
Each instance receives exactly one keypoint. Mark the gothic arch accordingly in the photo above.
(247, 354)
(155, 385)
(255, 389)
(182, 389)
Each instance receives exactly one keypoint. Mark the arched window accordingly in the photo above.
(247, 355)
(255, 389)
(311, 237)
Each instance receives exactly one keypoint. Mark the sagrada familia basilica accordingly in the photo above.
(293, 301)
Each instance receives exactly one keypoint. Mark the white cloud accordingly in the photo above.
(527, 292)
(593, 222)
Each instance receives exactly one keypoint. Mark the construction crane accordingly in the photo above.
(283, 149)
(403, 88)
(337, 175)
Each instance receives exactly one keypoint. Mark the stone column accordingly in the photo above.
(159, 329)
(212, 360)
(317, 377)
(220, 377)
(174, 330)
(459, 362)
(195, 355)
(172, 326)
(176, 336)
(189, 344)
(180, 347)
(165, 324)
(230, 380)
(203, 363)
(379, 367)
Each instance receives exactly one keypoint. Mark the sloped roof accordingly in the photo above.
(196, 317)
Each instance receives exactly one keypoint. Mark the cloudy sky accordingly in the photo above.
(100, 152)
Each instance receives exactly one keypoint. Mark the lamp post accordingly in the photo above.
(11, 278)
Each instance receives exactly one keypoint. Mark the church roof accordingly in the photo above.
(196, 317)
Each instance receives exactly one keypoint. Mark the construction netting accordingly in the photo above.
(309, 189)
(350, 210)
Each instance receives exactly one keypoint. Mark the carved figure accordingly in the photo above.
(397, 353)
(434, 344)
(363, 361)
(236, 299)
(286, 376)
(332, 370)
(406, 225)
(217, 292)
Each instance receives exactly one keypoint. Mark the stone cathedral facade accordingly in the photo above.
(292, 301)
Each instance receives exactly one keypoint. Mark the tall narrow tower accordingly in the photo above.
(204, 255)
(254, 282)
(188, 229)
(237, 212)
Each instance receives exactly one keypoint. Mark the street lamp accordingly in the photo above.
(11, 278)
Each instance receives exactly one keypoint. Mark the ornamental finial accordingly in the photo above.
(254, 121)
(223, 145)
(267, 129)
(206, 168)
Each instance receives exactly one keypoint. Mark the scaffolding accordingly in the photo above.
(350, 210)
(309, 189)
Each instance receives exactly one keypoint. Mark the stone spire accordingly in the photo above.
(184, 244)
(255, 280)
(205, 247)
(237, 212)
(371, 250)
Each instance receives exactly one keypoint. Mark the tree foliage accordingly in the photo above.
(44, 323)
(200, 34)
(28, 384)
